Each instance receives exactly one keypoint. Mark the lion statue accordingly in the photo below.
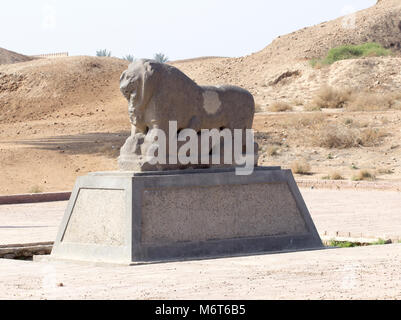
(158, 93)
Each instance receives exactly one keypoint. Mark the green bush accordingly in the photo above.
(129, 57)
(370, 49)
(103, 53)
(160, 57)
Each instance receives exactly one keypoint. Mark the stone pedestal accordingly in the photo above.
(131, 218)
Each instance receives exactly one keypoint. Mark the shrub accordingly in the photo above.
(272, 151)
(301, 167)
(36, 189)
(160, 57)
(371, 137)
(351, 52)
(371, 101)
(129, 57)
(258, 108)
(329, 97)
(336, 137)
(280, 107)
(343, 244)
(364, 175)
(343, 137)
(103, 53)
(336, 176)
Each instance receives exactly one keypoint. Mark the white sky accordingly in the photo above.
(179, 28)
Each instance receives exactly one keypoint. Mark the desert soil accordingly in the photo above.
(65, 117)
(362, 273)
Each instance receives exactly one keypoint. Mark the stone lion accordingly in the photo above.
(158, 93)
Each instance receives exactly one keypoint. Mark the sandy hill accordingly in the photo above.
(41, 88)
(282, 71)
(9, 57)
(62, 118)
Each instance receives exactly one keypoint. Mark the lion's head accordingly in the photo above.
(137, 86)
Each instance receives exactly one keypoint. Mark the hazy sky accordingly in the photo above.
(178, 28)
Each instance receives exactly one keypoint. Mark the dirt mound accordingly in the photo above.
(282, 71)
(75, 85)
(63, 118)
(9, 57)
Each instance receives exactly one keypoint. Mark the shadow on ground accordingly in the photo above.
(104, 143)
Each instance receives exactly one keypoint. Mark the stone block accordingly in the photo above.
(132, 218)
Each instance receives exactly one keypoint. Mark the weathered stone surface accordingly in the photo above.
(220, 212)
(98, 218)
(158, 93)
(183, 214)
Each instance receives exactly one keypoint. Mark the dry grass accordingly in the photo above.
(335, 98)
(371, 101)
(334, 136)
(36, 189)
(364, 175)
(258, 108)
(297, 102)
(329, 97)
(336, 176)
(371, 137)
(272, 151)
(303, 121)
(343, 137)
(301, 167)
(385, 171)
(280, 107)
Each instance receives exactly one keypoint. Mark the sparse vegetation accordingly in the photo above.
(354, 167)
(103, 53)
(349, 244)
(36, 189)
(298, 102)
(337, 136)
(336, 176)
(160, 57)
(364, 175)
(280, 107)
(129, 57)
(343, 244)
(333, 176)
(370, 49)
(370, 137)
(348, 122)
(329, 97)
(272, 151)
(301, 167)
(380, 242)
(385, 171)
(334, 136)
(371, 101)
(258, 108)
(352, 100)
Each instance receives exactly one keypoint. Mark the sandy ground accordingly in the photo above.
(358, 273)
(48, 155)
(61, 118)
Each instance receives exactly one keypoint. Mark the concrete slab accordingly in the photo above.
(355, 214)
(30, 223)
(357, 273)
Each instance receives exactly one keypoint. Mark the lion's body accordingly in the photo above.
(159, 93)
